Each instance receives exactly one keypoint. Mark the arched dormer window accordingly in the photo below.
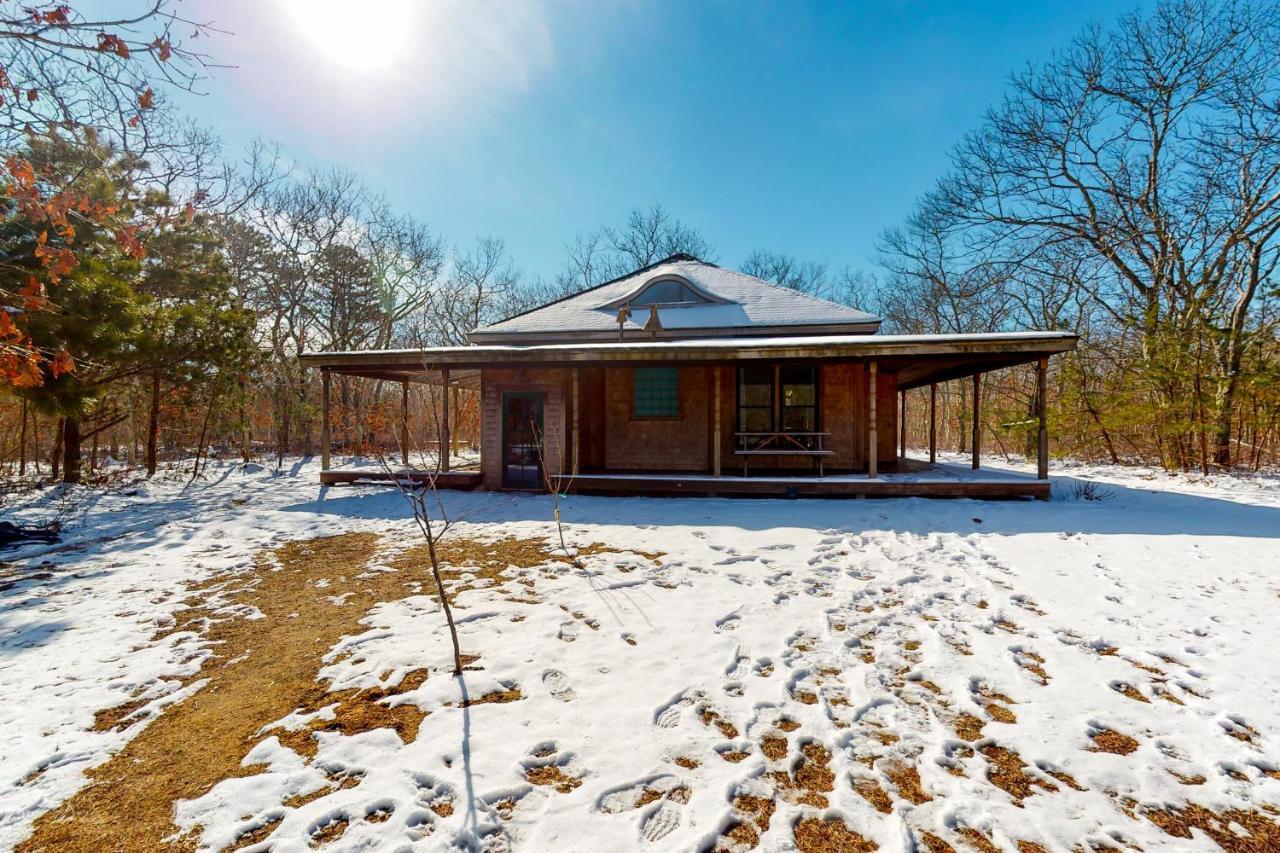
(667, 291)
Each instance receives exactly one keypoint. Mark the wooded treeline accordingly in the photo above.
(1127, 189)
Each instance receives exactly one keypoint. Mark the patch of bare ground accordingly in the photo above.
(752, 815)
(1000, 713)
(711, 717)
(1033, 663)
(774, 747)
(552, 776)
(257, 835)
(686, 762)
(934, 844)
(1127, 690)
(262, 670)
(1031, 847)
(733, 756)
(1005, 771)
(1234, 830)
(329, 832)
(813, 835)
(1108, 740)
(907, 780)
(870, 790)
(977, 840)
(811, 780)
(967, 727)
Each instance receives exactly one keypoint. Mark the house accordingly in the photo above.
(687, 377)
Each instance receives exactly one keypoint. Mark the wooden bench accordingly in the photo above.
(782, 444)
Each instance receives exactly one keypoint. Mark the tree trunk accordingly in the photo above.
(55, 459)
(70, 450)
(22, 442)
(153, 425)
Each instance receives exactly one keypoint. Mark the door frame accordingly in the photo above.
(541, 397)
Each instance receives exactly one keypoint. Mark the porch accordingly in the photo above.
(909, 478)
(781, 417)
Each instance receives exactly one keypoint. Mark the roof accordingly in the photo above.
(921, 358)
(734, 303)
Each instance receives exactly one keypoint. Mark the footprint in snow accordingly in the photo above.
(568, 631)
(557, 684)
(664, 820)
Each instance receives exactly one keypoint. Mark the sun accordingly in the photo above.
(354, 36)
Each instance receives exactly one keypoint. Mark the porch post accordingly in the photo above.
(404, 422)
(902, 426)
(977, 423)
(457, 413)
(444, 447)
(933, 423)
(576, 388)
(325, 437)
(715, 433)
(873, 387)
(1042, 443)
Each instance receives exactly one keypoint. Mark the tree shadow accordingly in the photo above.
(1079, 505)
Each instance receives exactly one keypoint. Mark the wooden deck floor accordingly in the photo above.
(464, 480)
(911, 478)
(803, 487)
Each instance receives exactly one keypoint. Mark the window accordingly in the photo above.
(777, 398)
(668, 292)
(655, 392)
(755, 399)
(799, 398)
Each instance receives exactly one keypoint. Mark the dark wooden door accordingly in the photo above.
(521, 437)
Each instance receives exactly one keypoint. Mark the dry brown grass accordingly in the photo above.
(967, 727)
(710, 717)
(813, 835)
(907, 780)
(262, 670)
(774, 747)
(1000, 713)
(870, 790)
(977, 840)
(1004, 770)
(1111, 741)
(811, 780)
(1261, 833)
(1127, 690)
(934, 844)
(552, 776)
(686, 762)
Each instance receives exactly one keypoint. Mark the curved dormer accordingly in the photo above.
(668, 290)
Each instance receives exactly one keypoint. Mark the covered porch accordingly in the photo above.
(786, 417)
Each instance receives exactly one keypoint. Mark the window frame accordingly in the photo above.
(778, 407)
(674, 372)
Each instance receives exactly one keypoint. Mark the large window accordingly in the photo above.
(777, 399)
(655, 392)
(669, 292)
(755, 399)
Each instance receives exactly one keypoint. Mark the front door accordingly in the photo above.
(521, 436)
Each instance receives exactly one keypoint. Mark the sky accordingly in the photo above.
(804, 128)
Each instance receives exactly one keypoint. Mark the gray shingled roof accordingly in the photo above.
(752, 306)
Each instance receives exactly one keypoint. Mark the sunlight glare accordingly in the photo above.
(355, 36)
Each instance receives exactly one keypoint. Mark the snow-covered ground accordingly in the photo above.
(923, 672)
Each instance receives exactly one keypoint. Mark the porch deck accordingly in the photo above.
(912, 478)
(464, 480)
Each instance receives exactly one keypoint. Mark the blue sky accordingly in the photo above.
(801, 128)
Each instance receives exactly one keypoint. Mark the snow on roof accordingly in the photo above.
(747, 303)
(871, 343)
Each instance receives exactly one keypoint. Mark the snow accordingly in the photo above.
(754, 603)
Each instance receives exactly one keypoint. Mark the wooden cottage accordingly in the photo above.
(688, 378)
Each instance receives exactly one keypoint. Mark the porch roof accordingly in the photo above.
(918, 359)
